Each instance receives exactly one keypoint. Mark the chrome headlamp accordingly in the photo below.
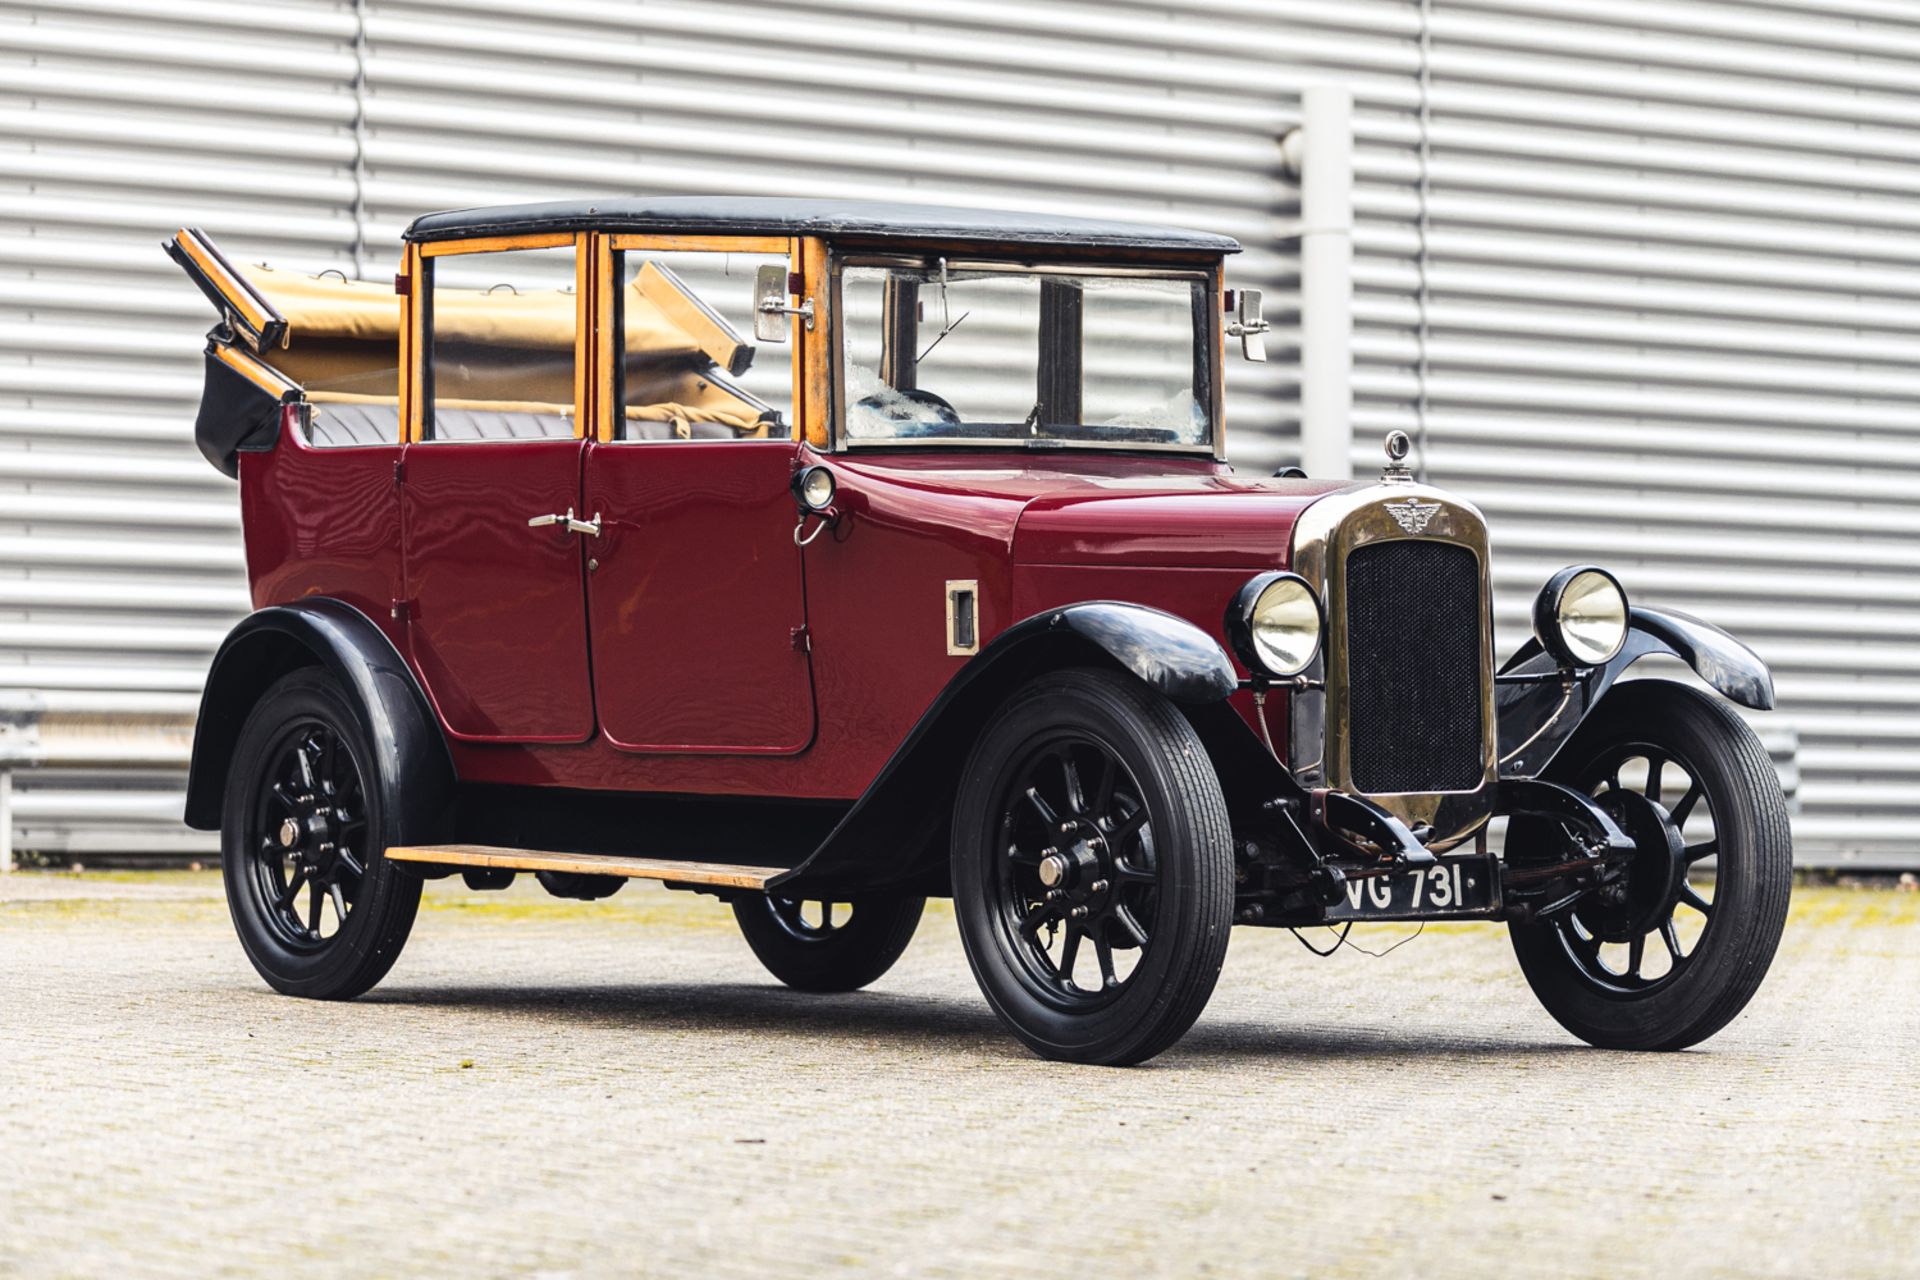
(1581, 615)
(1274, 624)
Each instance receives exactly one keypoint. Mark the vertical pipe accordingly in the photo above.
(1423, 332)
(359, 209)
(1325, 166)
(6, 819)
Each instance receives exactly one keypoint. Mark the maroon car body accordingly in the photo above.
(506, 666)
(777, 651)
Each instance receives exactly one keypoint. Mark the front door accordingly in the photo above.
(697, 607)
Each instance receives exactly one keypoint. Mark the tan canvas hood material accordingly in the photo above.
(319, 307)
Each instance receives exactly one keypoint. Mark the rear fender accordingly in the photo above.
(1539, 706)
(411, 766)
(896, 836)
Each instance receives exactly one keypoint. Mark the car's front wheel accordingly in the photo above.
(1675, 955)
(319, 909)
(815, 945)
(1093, 868)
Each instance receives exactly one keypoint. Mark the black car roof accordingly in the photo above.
(867, 220)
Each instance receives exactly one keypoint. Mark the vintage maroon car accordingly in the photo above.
(559, 568)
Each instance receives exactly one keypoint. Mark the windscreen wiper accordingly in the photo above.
(947, 323)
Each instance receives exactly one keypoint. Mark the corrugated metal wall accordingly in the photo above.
(1673, 297)
(1660, 311)
(120, 563)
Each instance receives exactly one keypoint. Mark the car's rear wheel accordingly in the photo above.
(1093, 868)
(1675, 957)
(319, 909)
(816, 945)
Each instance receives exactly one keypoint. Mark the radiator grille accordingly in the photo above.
(1413, 667)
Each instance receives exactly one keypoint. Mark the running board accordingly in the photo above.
(718, 874)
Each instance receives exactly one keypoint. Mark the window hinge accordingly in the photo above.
(400, 283)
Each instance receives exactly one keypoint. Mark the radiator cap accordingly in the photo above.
(1398, 446)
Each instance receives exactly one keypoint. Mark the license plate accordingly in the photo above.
(1460, 886)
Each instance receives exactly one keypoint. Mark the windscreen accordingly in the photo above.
(1015, 355)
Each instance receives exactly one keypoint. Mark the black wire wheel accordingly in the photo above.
(1077, 882)
(1671, 955)
(319, 909)
(814, 944)
(1093, 868)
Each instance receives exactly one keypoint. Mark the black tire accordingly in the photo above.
(338, 825)
(1625, 1004)
(1138, 829)
(815, 945)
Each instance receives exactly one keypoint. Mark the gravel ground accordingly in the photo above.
(617, 1088)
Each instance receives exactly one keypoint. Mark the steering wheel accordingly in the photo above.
(888, 405)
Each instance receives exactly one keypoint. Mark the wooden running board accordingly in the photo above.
(720, 874)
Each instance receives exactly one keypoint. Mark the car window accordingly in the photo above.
(935, 354)
(501, 331)
(691, 369)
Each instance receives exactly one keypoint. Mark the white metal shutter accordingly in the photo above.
(1674, 309)
(1123, 111)
(1656, 306)
(130, 118)
(120, 564)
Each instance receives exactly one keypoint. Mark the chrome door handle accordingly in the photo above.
(588, 527)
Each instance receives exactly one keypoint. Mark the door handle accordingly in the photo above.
(589, 527)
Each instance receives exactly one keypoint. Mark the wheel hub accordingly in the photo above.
(309, 834)
(1655, 875)
(1076, 869)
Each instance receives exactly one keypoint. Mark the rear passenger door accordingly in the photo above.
(495, 606)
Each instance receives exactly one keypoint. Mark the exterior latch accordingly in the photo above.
(775, 307)
(773, 286)
(591, 528)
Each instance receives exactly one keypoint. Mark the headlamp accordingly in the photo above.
(1274, 624)
(1581, 615)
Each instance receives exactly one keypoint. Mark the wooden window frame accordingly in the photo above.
(594, 327)
(250, 315)
(805, 256)
(416, 330)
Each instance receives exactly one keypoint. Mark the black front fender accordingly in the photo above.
(896, 833)
(1722, 661)
(1169, 653)
(411, 764)
(1539, 706)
